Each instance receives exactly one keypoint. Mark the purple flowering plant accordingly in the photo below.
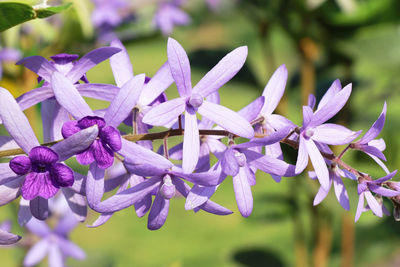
(125, 168)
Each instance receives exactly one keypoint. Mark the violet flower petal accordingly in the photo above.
(341, 192)
(94, 185)
(38, 184)
(373, 204)
(271, 139)
(333, 134)
(24, 212)
(70, 249)
(221, 73)
(39, 207)
(15, 121)
(269, 164)
(37, 253)
(10, 190)
(97, 90)
(244, 197)
(210, 178)
(360, 206)
(180, 67)
(120, 64)
(68, 96)
(191, 142)
(86, 157)
(62, 175)
(124, 101)
(39, 65)
(103, 155)
(251, 111)
(21, 165)
(376, 128)
(274, 90)
(111, 137)
(165, 113)
(227, 119)
(330, 93)
(7, 238)
(158, 212)
(199, 195)
(229, 163)
(318, 163)
(76, 202)
(382, 191)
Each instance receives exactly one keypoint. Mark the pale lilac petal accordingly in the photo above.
(251, 111)
(382, 191)
(66, 224)
(307, 116)
(39, 65)
(226, 68)
(385, 178)
(274, 90)
(191, 142)
(90, 60)
(279, 122)
(244, 197)
(332, 107)
(329, 94)
(210, 178)
(76, 202)
(227, 119)
(318, 163)
(39, 207)
(158, 213)
(333, 134)
(180, 67)
(273, 138)
(94, 185)
(360, 207)
(124, 101)
(7, 142)
(120, 64)
(68, 96)
(137, 157)
(375, 129)
(321, 195)
(199, 195)
(373, 204)
(15, 122)
(165, 113)
(144, 205)
(36, 253)
(302, 156)
(24, 212)
(203, 164)
(34, 97)
(341, 192)
(10, 190)
(128, 197)
(269, 164)
(157, 84)
(229, 163)
(378, 143)
(371, 150)
(311, 101)
(379, 162)
(55, 257)
(252, 177)
(70, 249)
(98, 91)
(53, 118)
(7, 238)
(76, 143)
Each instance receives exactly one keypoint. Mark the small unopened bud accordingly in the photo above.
(240, 159)
(168, 188)
(308, 133)
(196, 100)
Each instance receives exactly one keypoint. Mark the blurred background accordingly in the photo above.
(356, 41)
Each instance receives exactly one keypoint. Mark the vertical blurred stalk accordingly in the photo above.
(347, 252)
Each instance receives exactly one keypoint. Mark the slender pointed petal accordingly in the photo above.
(165, 113)
(39, 208)
(302, 156)
(307, 115)
(16, 122)
(274, 90)
(271, 139)
(98, 90)
(329, 94)
(66, 224)
(373, 204)
(191, 143)
(321, 195)
(227, 119)
(158, 213)
(199, 195)
(375, 129)
(76, 143)
(318, 163)
(226, 68)
(128, 197)
(269, 164)
(90, 60)
(10, 190)
(371, 150)
(39, 65)
(70, 249)
(94, 185)
(68, 96)
(244, 197)
(383, 191)
(333, 134)
(385, 178)
(55, 257)
(24, 212)
(124, 101)
(76, 202)
(121, 64)
(180, 67)
(7, 238)
(229, 163)
(341, 192)
(332, 107)
(251, 111)
(210, 178)
(360, 207)
(37, 253)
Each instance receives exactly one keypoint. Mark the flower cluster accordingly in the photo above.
(149, 178)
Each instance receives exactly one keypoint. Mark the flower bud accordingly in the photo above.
(168, 188)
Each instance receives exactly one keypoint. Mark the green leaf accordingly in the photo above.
(49, 11)
(12, 14)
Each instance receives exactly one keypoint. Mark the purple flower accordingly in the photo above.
(364, 189)
(371, 146)
(169, 14)
(8, 54)
(314, 131)
(54, 242)
(108, 14)
(40, 174)
(6, 237)
(191, 100)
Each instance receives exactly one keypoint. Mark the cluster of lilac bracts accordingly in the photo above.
(137, 172)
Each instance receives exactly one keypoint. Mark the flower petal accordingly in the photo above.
(226, 68)
(333, 134)
(120, 64)
(244, 197)
(70, 249)
(227, 119)
(251, 111)
(330, 93)
(21, 165)
(373, 204)
(15, 122)
(229, 163)
(76, 202)
(124, 101)
(24, 213)
(360, 207)
(318, 163)
(111, 137)
(376, 128)
(39, 207)
(7, 238)
(103, 155)
(199, 195)
(37, 253)
(341, 192)
(39, 65)
(55, 257)
(10, 190)
(158, 213)
(269, 164)
(274, 90)
(165, 113)
(191, 143)
(180, 67)
(94, 185)
(62, 175)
